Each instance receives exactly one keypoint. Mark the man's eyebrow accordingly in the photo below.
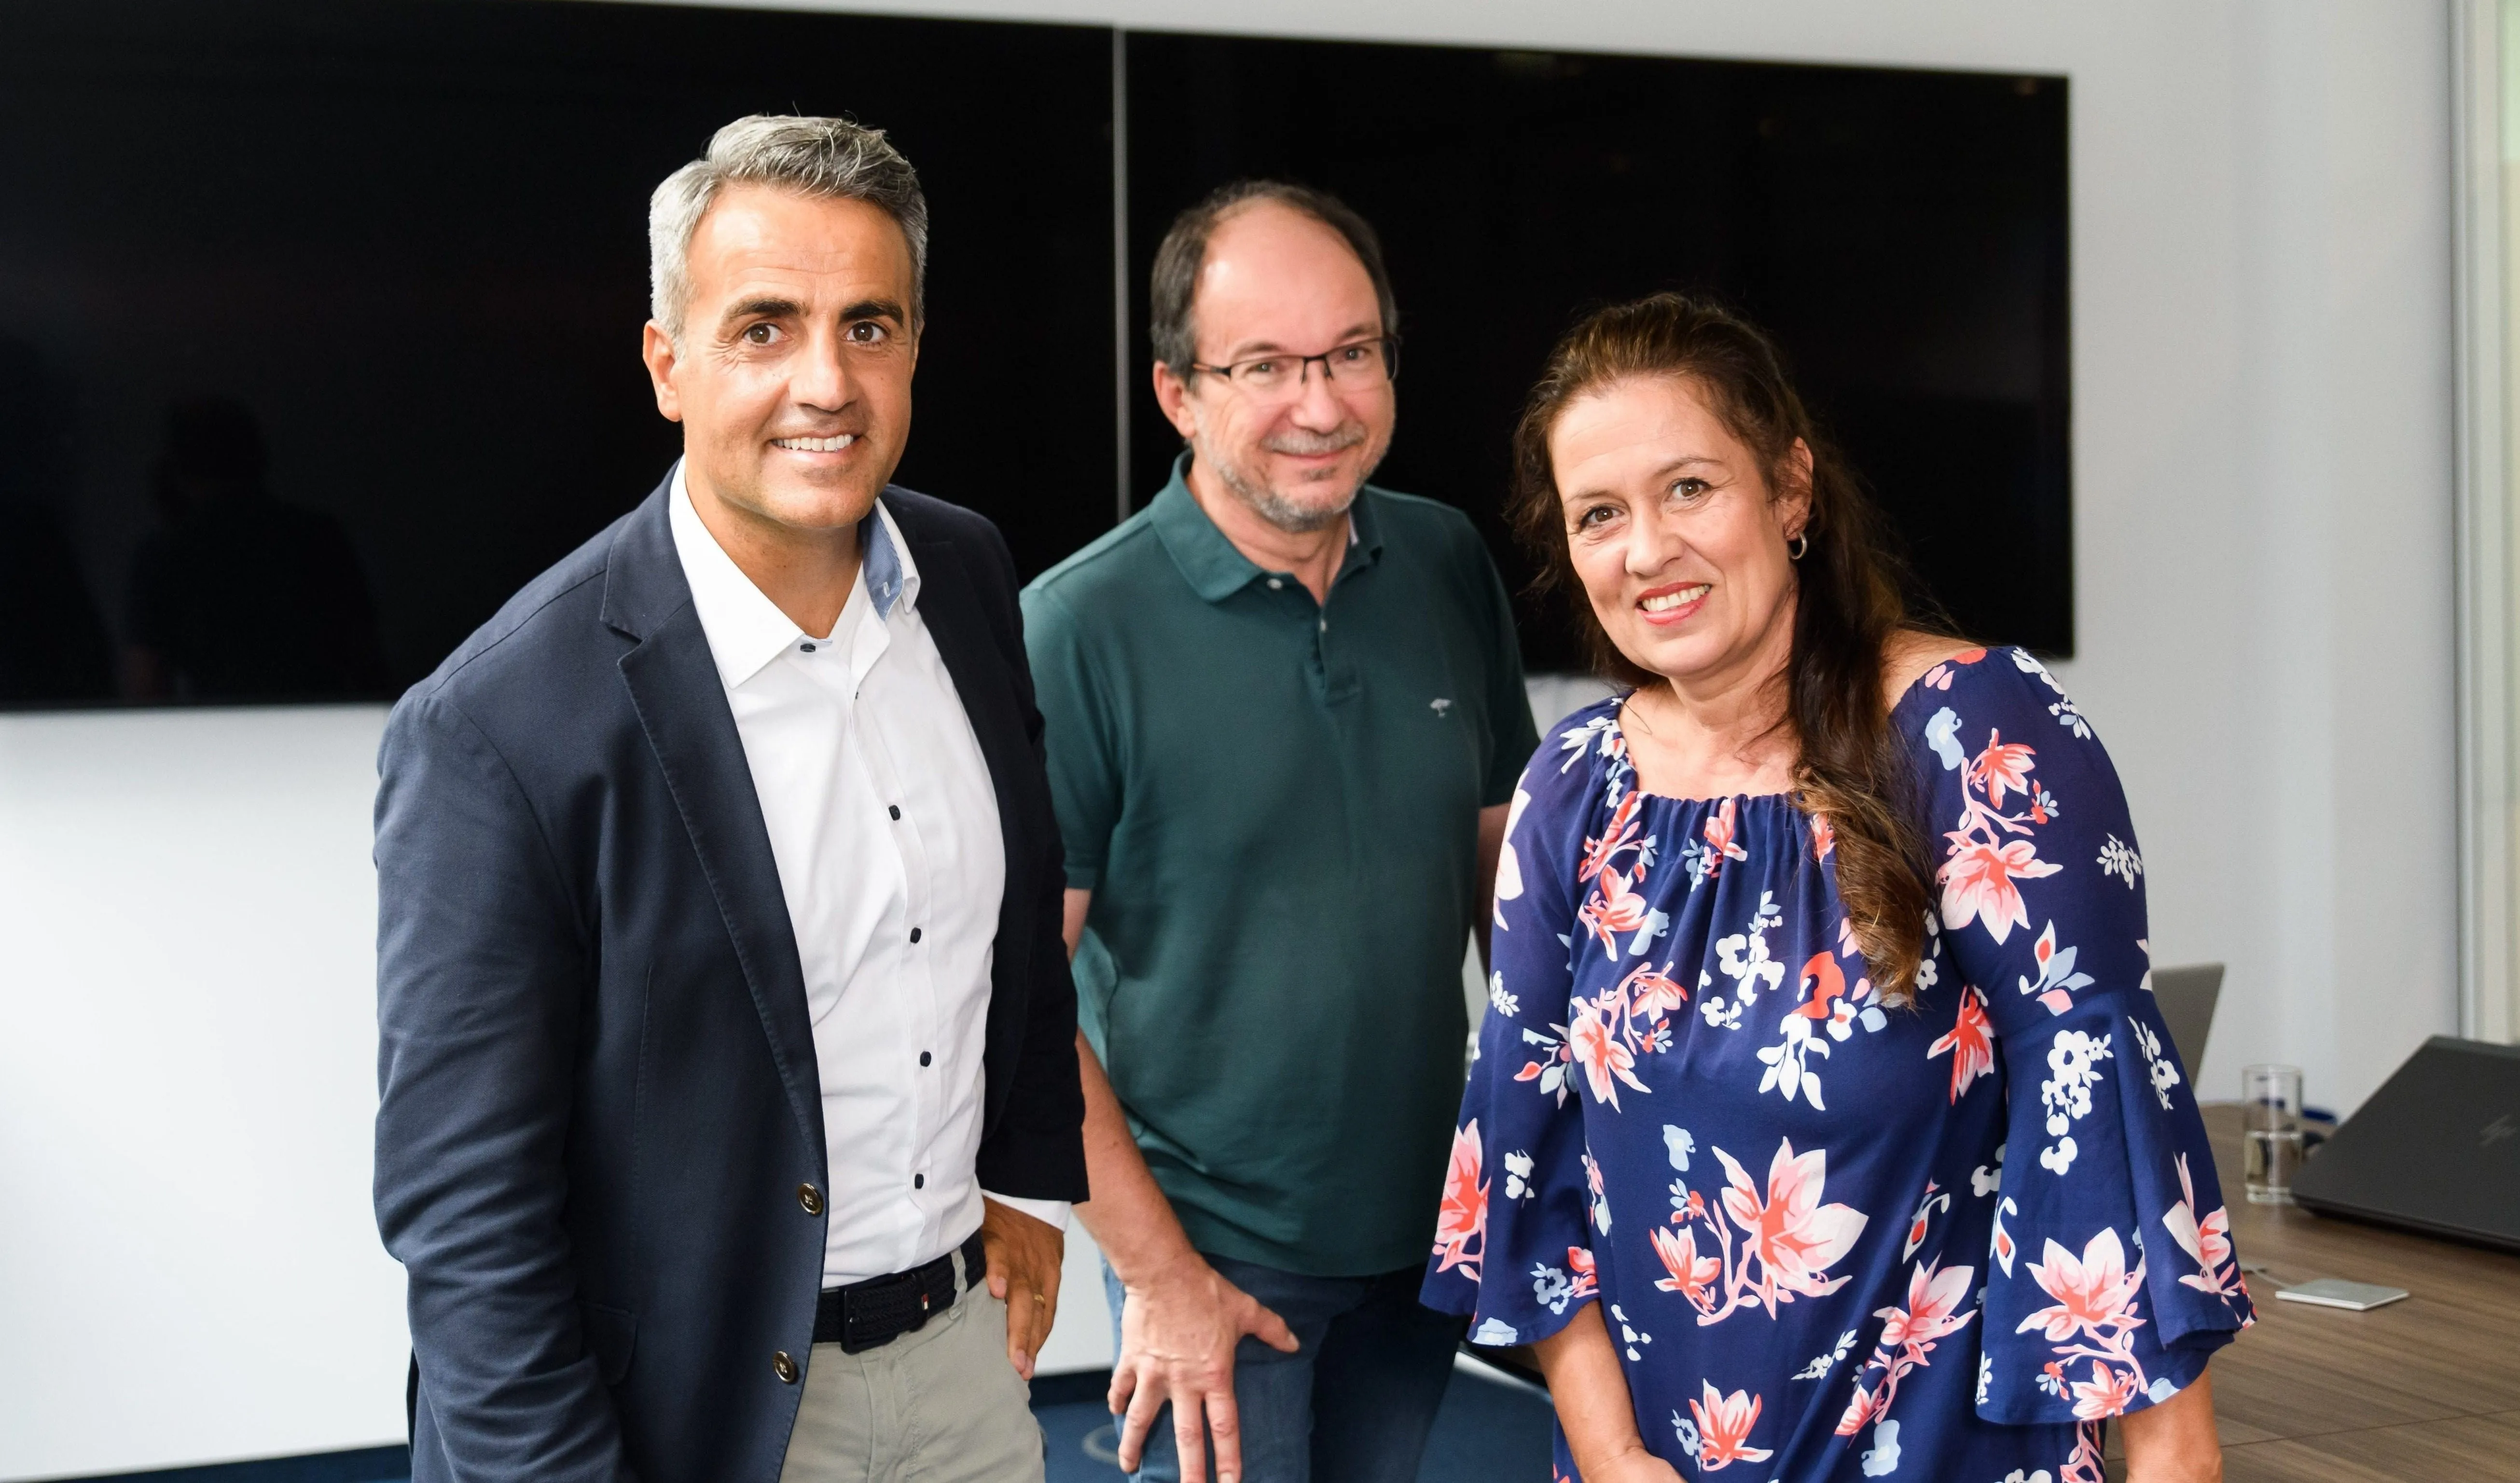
(875, 308)
(761, 307)
(1361, 330)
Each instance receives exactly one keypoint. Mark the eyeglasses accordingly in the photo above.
(1363, 365)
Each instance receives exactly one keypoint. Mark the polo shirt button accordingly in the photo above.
(1325, 625)
(914, 934)
(1276, 583)
(783, 1368)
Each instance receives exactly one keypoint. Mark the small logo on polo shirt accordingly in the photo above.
(1439, 705)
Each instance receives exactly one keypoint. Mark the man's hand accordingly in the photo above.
(1177, 1339)
(1023, 1270)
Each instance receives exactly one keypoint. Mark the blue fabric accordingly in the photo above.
(879, 565)
(1353, 1405)
(1835, 1238)
(599, 1094)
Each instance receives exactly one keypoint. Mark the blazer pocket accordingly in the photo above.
(611, 1334)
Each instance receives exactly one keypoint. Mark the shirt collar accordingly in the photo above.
(1214, 568)
(746, 630)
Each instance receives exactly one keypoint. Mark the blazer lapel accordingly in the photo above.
(681, 702)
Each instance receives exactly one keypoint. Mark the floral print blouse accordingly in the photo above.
(1832, 1238)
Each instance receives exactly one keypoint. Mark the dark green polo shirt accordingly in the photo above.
(1275, 806)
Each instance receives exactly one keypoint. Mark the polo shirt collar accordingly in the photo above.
(1209, 562)
(746, 630)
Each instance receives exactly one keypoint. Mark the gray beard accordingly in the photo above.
(1289, 515)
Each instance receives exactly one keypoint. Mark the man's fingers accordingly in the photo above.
(1189, 1438)
(1143, 1407)
(1124, 1384)
(1271, 1330)
(1225, 1428)
(1024, 1331)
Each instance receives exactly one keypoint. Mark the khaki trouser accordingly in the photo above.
(939, 1406)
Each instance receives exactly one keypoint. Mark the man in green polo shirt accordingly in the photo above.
(1284, 715)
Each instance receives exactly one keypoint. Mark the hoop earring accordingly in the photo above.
(1802, 545)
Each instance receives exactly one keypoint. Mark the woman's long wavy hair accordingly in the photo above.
(1852, 595)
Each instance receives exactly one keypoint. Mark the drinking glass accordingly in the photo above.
(2270, 1132)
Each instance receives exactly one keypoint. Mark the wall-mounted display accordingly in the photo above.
(1902, 233)
(319, 323)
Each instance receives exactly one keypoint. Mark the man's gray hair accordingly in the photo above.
(835, 159)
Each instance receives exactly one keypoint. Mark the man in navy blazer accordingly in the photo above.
(729, 1103)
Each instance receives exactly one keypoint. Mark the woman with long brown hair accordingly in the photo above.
(1823, 1122)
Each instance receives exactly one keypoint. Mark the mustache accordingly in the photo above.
(1314, 445)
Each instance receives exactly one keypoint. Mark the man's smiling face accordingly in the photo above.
(791, 378)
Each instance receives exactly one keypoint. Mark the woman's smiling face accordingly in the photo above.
(1680, 545)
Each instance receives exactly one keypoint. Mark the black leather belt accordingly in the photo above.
(873, 1312)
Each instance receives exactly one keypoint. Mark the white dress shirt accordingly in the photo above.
(884, 822)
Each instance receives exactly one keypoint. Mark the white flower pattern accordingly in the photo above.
(1714, 999)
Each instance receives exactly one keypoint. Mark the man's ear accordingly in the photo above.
(1172, 394)
(656, 348)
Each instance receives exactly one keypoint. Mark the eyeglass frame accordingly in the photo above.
(1390, 344)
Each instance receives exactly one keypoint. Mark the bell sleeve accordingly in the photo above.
(2111, 1277)
(1511, 1239)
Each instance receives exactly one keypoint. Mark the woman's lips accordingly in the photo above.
(1664, 607)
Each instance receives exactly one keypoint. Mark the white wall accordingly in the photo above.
(189, 1268)
(2262, 365)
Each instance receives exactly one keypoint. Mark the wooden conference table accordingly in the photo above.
(2428, 1388)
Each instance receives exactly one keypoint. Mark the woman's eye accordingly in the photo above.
(1688, 489)
(1592, 518)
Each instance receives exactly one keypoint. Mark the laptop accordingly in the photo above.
(2185, 998)
(2437, 1149)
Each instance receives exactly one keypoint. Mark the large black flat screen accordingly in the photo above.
(386, 262)
(1902, 233)
(402, 247)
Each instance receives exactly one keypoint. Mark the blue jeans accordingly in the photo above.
(1353, 1405)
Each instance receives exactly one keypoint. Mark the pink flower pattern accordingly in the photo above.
(1723, 1423)
(1942, 1270)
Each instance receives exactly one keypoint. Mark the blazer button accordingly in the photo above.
(811, 1199)
(783, 1368)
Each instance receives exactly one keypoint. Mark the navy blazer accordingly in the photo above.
(599, 1087)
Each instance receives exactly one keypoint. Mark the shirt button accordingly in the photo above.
(918, 1181)
(804, 648)
(925, 1057)
(783, 1368)
(1276, 583)
(914, 934)
(1325, 625)
(893, 809)
(811, 1199)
